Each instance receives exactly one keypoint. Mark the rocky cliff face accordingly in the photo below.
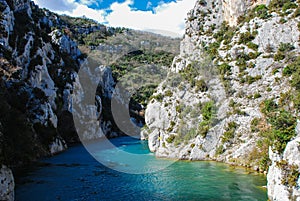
(39, 70)
(46, 80)
(233, 92)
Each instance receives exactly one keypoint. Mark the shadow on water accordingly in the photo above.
(76, 175)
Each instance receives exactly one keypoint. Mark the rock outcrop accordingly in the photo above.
(283, 175)
(7, 184)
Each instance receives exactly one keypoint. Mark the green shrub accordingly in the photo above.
(252, 45)
(229, 132)
(279, 56)
(282, 123)
(285, 47)
(246, 37)
(289, 5)
(296, 79)
(169, 93)
(250, 79)
(254, 55)
(172, 124)
(201, 86)
(293, 70)
(232, 103)
(224, 34)
(170, 139)
(158, 97)
(277, 4)
(251, 65)
(256, 95)
(261, 11)
(296, 13)
(203, 128)
(224, 69)
(282, 20)
(291, 173)
(212, 49)
(202, 2)
(220, 150)
(208, 111)
(268, 106)
(254, 124)
(179, 108)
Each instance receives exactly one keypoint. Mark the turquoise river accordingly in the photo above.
(76, 175)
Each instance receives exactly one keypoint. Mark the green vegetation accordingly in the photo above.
(293, 70)
(185, 133)
(158, 97)
(201, 86)
(250, 80)
(278, 4)
(220, 150)
(205, 68)
(172, 124)
(285, 47)
(143, 94)
(229, 132)
(224, 71)
(170, 139)
(279, 56)
(247, 37)
(256, 95)
(260, 11)
(252, 45)
(212, 49)
(140, 58)
(282, 125)
(289, 5)
(254, 124)
(291, 173)
(208, 111)
(296, 13)
(224, 34)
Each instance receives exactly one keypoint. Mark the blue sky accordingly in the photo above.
(144, 5)
(166, 17)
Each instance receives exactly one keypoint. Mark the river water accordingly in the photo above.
(76, 175)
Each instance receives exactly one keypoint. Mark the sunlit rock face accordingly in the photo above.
(177, 115)
(284, 166)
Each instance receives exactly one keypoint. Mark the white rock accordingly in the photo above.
(7, 184)
(57, 146)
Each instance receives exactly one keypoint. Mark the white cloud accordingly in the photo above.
(81, 10)
(72, 8)
(90, 2)
(56, 5)
(166, 18)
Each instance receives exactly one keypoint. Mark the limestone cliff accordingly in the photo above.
(48, 67)
(233, 92)
(39, 69)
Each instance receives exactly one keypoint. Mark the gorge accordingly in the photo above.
(231, 94)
